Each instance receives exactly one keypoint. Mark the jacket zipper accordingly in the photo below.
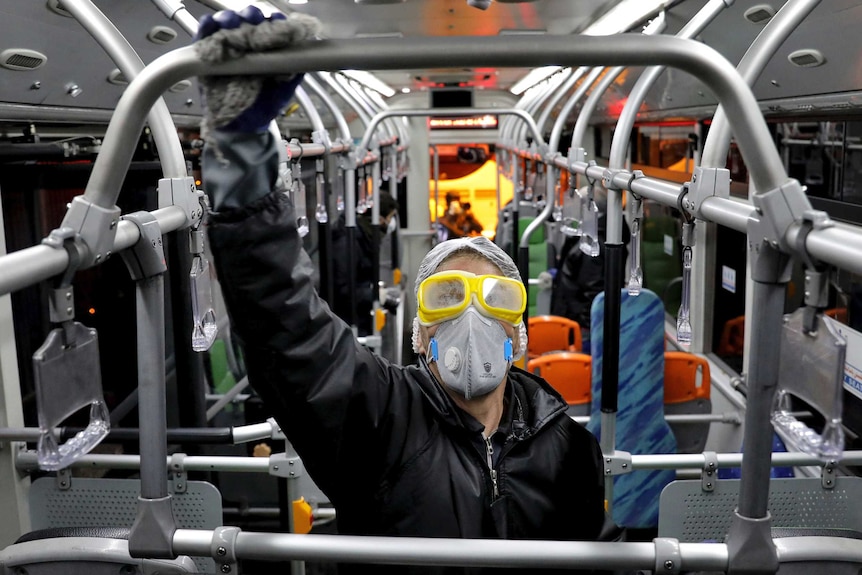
(489, 453)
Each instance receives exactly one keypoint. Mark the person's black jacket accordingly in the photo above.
(580, 277)
(363, 280)
(385, 443)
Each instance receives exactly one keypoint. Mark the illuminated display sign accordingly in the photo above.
(464, 123)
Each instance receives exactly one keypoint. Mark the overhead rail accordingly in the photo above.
(26, 460)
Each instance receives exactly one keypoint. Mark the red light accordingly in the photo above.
(92, 311)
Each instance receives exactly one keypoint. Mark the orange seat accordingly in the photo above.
(568, 372)
(680, 377)
(732, 337)
(550, 333)
(838, 314)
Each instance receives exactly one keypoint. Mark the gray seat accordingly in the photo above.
(112, 504)
(690, 514)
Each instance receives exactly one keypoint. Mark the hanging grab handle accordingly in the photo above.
(683, 323)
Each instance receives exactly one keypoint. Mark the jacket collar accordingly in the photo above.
(530, 403)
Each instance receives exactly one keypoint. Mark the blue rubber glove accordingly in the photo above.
(247, 103)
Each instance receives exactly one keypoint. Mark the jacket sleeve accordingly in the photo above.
(334, 398)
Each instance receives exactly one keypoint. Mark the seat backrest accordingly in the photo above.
(549, 333)
(640, 423)
(569, 373)
(686, 392)
(109, 502)
(681, 379)
(690, 514)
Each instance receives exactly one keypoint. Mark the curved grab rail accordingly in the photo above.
(460, 112)
(626, 121)
(386, 53)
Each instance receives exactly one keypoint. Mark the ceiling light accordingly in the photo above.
(297, 1)
(372, 2)
(534, 77)
(623, 16)
(369, 80)
(405, 90)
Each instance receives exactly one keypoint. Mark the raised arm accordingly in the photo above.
(332, 396)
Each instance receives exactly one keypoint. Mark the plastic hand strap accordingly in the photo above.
(320, 190)
(68, 378)
(812, 369)
(683, 325)
(636, 277)
(589, 243)
(299, 202)
(570, 216)
(204, 326)
(362, 204)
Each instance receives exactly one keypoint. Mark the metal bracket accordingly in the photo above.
(179, 479)
(608, 177)
(64, 479)
(576, 156)
(61, 300)
(668, 558)
(767, 263)
(618, 463)
(827, 475)
(277, 433)
(710, 471)
(196, 242)
(322, 137)
(183, 193)
(706, 183)
(96, 226)
(284, 465)
(779, 209)
(223, 548)
(146, 258)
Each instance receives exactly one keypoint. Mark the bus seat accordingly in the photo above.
(686, 391)
(732, 337)
(551, 333)
(690, 514)
(84, 551)
(640, 423)
(570, 374)
(838, 314)
(109, 503)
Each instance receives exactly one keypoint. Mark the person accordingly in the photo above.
(580, 277)
(449, 223)
(363, 263)
(462, 445)
(471, 226)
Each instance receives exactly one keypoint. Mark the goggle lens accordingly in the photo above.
(503, 295)
(444, 294)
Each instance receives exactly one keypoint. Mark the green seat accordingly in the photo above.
(538, 262)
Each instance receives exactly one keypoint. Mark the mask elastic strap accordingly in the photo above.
(432, 347)
(508, 354)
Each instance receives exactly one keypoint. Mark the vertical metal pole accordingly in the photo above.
(350, 229)
(149, 298)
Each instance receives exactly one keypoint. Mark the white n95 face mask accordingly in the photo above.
(472, 353)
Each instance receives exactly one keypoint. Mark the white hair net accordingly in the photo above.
(483, 247)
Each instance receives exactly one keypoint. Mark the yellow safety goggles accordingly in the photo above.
(445, 295)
